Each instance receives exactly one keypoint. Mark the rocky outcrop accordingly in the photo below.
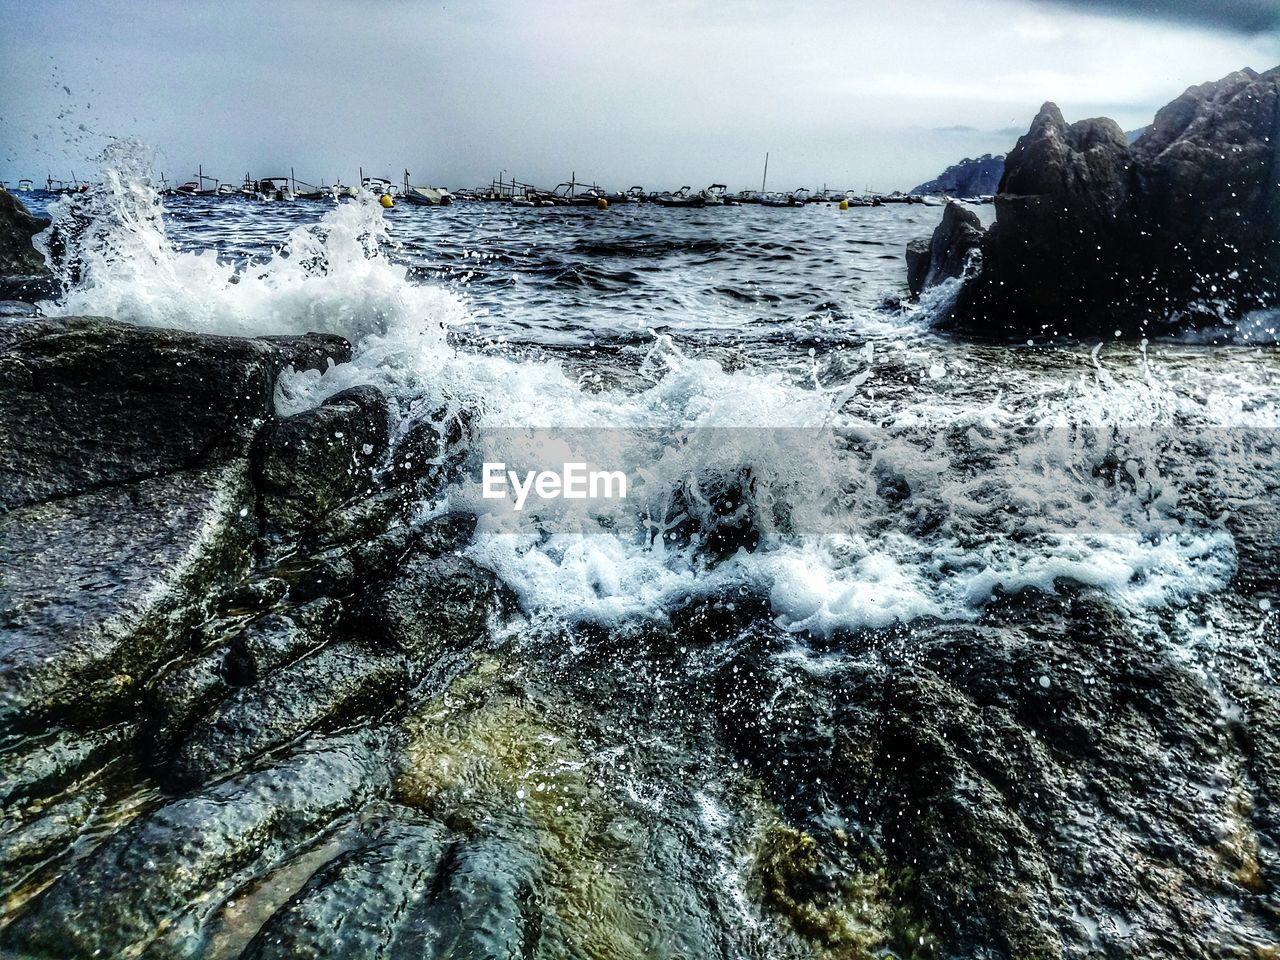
(948, 253)
(24, 276)
(971, 177)
(1093, 234)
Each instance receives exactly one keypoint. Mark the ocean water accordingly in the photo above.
(793, 430)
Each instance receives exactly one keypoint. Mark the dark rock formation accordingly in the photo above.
(1094, 235)
(149, 885)
(124, 469)
(947, 253)
(24, 275)
(971, 177)
(313, 462)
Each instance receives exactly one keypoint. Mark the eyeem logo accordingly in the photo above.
(573, 482)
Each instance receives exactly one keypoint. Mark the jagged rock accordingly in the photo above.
(87, 402)
(312, 462)
(947, 253)
(327, 689)
(152, 885)
(17, 308)
(24, 275)
(146, 560)
(182, 692)
(435, 605)
(43, 765)
(312, 351)
(1094, 235)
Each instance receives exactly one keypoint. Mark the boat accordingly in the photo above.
(680, 198)
(779, 200)
(227, 190)
(273, 188)
(425, 196)
(25, 186)
(714, 196)
(379, 186)
(567, 194)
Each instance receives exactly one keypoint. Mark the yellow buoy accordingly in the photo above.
(844, 204)
(386, 201)
(602, 204)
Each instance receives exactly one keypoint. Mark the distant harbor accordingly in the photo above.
(570, 193)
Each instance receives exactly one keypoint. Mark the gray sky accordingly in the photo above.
(660, 93)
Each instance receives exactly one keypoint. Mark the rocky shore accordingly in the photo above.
(253, 704)
(1176, 231)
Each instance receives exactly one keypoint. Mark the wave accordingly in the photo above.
(919, 491)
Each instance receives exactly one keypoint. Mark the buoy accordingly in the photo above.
(386, 201)
(602, 204)
(844, 204)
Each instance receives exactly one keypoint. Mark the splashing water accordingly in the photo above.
(852, 490)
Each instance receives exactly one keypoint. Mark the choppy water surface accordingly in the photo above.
(943, 472)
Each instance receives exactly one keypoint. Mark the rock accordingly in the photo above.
(276, 639)
(947, 253)
(328, 689)
(50, 832)
(313, 462)
(146, 560)
(1028, 779)
(42, 766)
(23, 273)
(435, 605)
(182, 692)
(363, 900)
(17, 308)
(87, 402)
(1094, 235)
(312, 351)
(152, 885)
(486, 904)
(971, 177)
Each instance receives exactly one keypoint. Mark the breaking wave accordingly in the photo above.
(931, 476)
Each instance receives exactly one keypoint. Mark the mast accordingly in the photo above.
(764, 178)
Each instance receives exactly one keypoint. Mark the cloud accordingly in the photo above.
(1250, 17)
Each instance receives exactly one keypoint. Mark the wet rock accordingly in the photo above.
(182, 692)
(39, 767)
(51, 831)
(1094, 235)
(152, 885)
(23, 273)
(486, 903)
(274, 640)
(435, 605)
(312, 351)
(363, 900)
(18, 308)
(312, 462)
(146, 559)
(328, 689)
(946, 254)
(1039, 775)
(88, 402)
(256, 595)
